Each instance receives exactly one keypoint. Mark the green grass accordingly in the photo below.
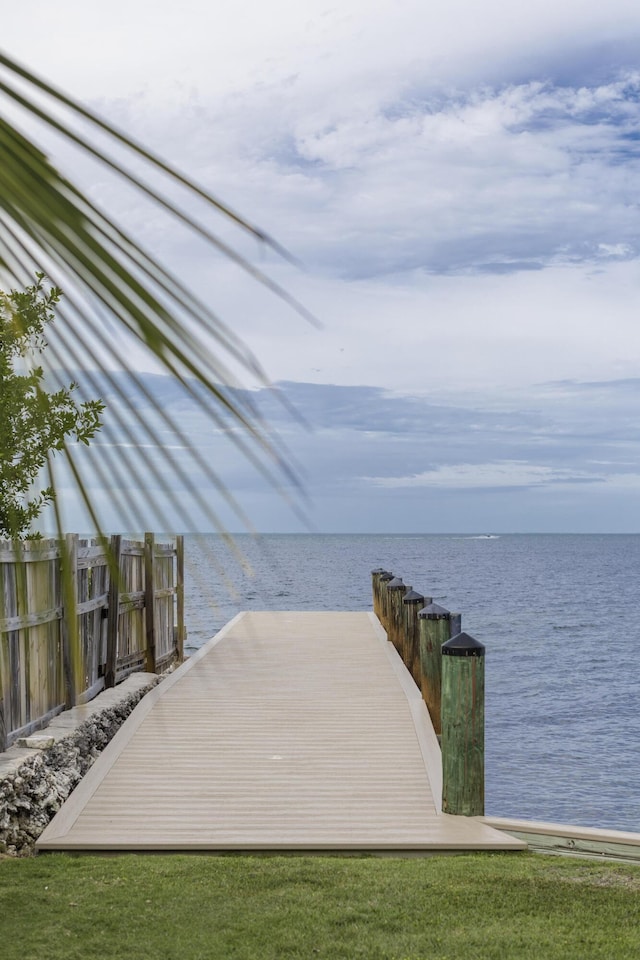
(440, 908)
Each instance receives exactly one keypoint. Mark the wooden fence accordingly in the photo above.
(80, 615)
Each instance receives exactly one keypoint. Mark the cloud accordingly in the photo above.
(560, 444)
(211, 48)
(470, 191)
(460, 181)
(504, 179)
(466, 476)
(412, 172)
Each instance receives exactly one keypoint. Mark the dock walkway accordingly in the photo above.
(286, 731)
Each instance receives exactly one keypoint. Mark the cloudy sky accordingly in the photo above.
(461, 184)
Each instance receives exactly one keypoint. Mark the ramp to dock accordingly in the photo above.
(286, 731)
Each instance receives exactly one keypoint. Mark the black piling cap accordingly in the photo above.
(378, 570)
(386, 576)
(434, 611)
(462, 645)
(396, 584)
(412, 596)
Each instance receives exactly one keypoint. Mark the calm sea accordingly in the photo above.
(559, 616)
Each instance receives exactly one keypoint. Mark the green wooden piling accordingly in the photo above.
(416, 668)
(412, 602)
(463, 726)
(434, 626)
(396, 590)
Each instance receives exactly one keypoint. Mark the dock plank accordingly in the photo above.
(286, 731)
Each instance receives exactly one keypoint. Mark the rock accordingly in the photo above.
(33, 794)
(36, 741)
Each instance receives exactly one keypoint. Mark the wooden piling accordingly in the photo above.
(434, 630)
(383, 616)
(463, 726)
(396, 590)
(375, 588)
(412, 602)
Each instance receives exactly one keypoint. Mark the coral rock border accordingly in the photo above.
(34, 790)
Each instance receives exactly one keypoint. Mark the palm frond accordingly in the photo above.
(48, 225)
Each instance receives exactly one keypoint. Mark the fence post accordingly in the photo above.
(463, 726)
(411, 603)
(180, 597)
(434, 630)
(113, 611)
(396, 589)
(71, 652)
(150, 602)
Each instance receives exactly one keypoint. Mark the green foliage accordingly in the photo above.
(177, 907)
(34, 424)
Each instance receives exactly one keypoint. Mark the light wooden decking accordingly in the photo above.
(286, 731)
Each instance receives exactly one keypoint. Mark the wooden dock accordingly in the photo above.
(285, 732)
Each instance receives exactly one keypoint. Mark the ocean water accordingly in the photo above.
(559, 616)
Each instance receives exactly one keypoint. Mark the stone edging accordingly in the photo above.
(36, 778)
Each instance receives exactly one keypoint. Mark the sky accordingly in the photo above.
(460, 184)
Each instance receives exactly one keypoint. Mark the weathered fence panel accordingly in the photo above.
(131, 610)
(164, 582)
(31, 674)
(120, 608)
(91, 610)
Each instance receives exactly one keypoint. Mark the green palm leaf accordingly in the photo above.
(47, 224)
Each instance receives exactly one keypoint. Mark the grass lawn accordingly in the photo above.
(501, 906)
